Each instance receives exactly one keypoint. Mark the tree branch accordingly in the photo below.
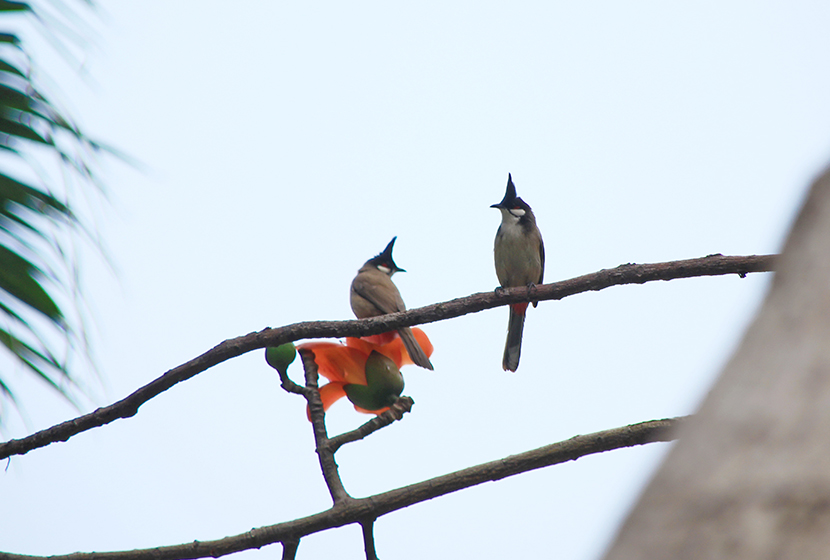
(713, 265)
(395, 412)
(289, 549)
(289, 386)
(321, 438)
(360, 510)
(368, 526)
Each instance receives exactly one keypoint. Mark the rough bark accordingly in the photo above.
(750, 476)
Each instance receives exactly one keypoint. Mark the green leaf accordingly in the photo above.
(21, 279)
(36, 274)
(22, 131)
(34, 360)
(13, 191)
(6, 6)
(5, 390)
(10, 69)
(10, 39)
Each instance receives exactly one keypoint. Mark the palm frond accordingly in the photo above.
(39, 315)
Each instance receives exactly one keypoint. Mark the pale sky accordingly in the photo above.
(285, 144)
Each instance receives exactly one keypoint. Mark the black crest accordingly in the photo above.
(384, 258)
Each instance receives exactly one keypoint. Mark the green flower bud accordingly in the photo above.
(280, 357)
(384, 384)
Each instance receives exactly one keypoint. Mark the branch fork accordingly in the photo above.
(345, 509)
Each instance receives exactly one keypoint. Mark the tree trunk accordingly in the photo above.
(750, 476)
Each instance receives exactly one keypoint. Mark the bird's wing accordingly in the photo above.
(379, 290)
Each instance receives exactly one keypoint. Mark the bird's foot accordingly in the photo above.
(531, 287)
(499, 290)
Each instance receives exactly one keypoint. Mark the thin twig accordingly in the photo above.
(289, 549)
(395, 412)
(368, 526)
(321, 438)
(356, 510)
(713, 265)
(288, 385)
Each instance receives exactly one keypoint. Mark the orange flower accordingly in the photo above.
(345, 364)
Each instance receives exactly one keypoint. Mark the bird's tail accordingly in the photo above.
(414, 349)
(513, 346)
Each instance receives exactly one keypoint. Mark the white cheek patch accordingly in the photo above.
(518, 212)
(507, 217)
(384, 269)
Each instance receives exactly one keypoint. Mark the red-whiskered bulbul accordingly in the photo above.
(373, 294)
(520, 261)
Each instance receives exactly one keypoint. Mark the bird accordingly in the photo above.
(519, 254)
(373, 293)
